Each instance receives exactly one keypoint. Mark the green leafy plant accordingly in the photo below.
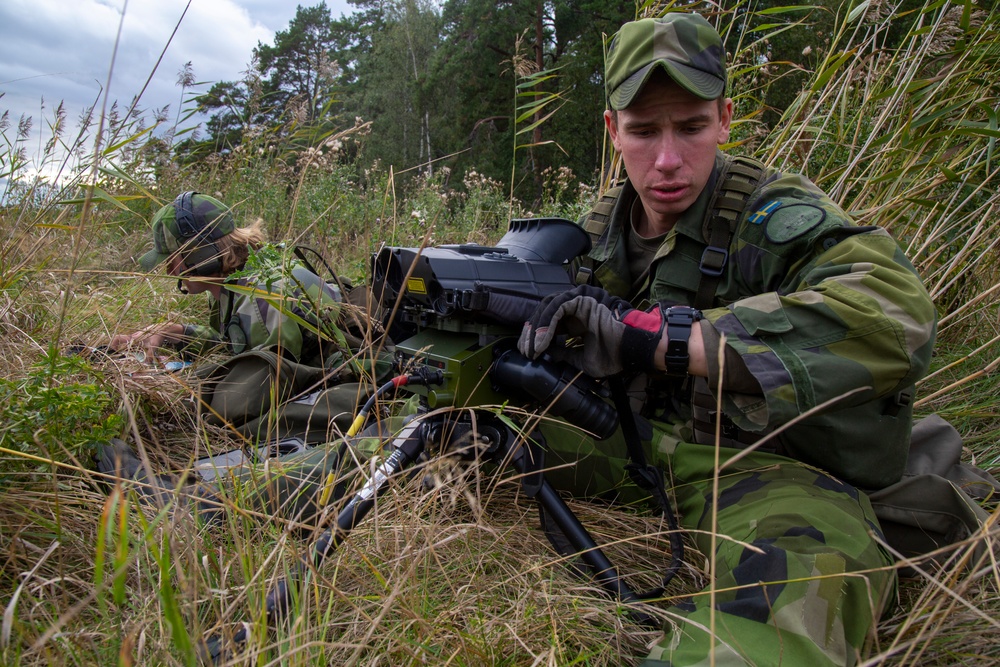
(56, 413)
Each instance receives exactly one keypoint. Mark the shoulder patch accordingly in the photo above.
(788, 223)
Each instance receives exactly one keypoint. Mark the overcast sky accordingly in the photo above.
(62, 50)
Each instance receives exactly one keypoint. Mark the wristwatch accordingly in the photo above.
(679, 319)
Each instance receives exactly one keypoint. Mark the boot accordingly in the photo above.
(117, 458)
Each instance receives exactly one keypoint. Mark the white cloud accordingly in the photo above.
(61, 50)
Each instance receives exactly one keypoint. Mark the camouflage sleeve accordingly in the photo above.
(836, 308)
(292, 314)
(317, 302)
(263, 321)
(199, 339)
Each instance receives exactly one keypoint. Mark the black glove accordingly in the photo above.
(611, 343)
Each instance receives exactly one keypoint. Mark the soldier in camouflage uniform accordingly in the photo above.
(806, 318)
(197, 237)
(298, 316)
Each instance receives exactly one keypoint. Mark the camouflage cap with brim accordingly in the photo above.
(210, 220)
(685, 45)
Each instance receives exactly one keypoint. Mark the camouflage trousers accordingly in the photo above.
(798, 577)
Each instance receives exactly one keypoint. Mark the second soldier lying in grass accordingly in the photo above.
(300, 358)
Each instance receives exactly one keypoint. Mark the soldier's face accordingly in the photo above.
(177, 268)
(667, 140)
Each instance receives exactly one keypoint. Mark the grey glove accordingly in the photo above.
(608, 345)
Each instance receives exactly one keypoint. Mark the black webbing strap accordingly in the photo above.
(738, 181)
(596, 224)
(649, 478)
(184, 215)
(600, 215)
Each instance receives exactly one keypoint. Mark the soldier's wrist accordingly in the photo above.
(681, 351)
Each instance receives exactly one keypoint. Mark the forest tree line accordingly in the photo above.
(512, 89)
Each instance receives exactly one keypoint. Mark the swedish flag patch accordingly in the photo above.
(761, 215)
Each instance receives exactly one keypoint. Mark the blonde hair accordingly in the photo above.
(234, 248)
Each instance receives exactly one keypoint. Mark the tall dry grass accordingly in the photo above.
(454, 573)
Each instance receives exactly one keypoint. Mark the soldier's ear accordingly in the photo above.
(725, 119)
(611, 122)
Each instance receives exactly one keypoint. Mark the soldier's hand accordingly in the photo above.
(601, 343)
(575, 316)
(541, 327)
(610, 336)
(150, 340)
(120, 342)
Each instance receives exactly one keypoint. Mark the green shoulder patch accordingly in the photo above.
(788, 223)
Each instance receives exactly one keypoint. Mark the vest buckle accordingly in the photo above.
(713, 261)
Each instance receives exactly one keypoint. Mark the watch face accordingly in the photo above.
(685, 311)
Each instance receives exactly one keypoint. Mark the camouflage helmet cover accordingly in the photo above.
(685, 45)
(191, 222)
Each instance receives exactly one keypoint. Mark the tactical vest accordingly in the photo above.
(735, 184)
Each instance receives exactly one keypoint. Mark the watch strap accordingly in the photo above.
(679, 320)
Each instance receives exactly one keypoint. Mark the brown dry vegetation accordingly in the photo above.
(456, 573)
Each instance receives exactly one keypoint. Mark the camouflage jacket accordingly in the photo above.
(298, 315)
(817, 308)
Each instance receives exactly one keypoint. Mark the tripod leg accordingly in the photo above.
(527, 458)
(407, 447)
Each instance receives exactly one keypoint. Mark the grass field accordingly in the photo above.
(454, 573)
